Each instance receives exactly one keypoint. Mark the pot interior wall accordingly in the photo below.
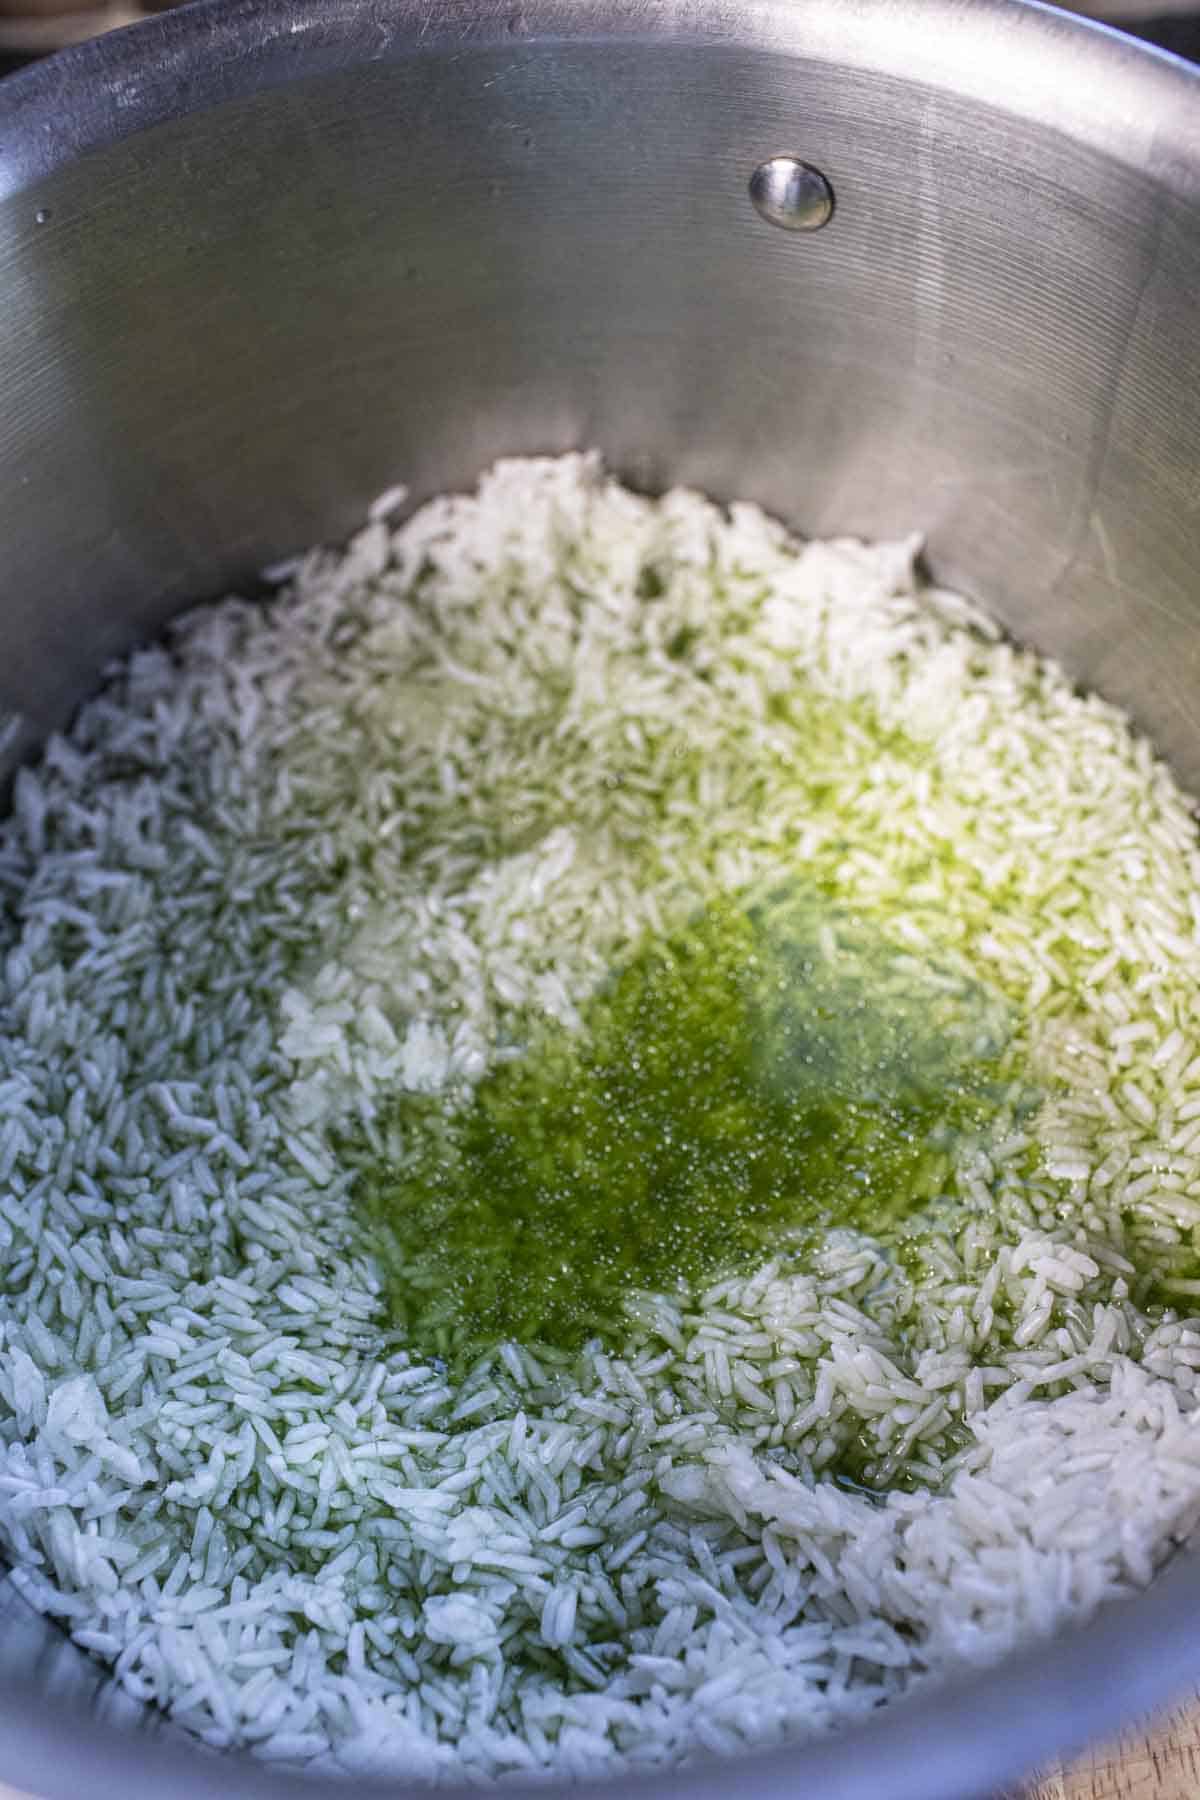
(221, 336)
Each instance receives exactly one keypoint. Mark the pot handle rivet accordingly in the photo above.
(791, 194)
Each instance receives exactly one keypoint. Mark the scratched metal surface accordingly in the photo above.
(498, 239)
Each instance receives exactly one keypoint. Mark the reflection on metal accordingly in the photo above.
(791, 194)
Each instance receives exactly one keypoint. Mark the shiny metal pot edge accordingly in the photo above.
(1124, 98)
(960, 1742)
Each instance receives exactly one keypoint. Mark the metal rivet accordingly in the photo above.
(791, 194)
(42, 216)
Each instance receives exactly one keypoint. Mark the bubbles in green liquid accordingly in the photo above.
(777, 1068)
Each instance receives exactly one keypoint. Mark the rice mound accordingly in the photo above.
(308, 854)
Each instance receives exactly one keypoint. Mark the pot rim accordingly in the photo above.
(1124, 98)
(1121, 98)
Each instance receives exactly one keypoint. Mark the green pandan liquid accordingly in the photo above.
(775, 1069)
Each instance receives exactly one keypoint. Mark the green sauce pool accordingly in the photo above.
(776, 1068)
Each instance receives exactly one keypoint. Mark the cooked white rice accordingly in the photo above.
(307, 855)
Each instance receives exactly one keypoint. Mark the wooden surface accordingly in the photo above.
(1160, 1763)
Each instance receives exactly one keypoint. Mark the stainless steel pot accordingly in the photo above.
(260, 261)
